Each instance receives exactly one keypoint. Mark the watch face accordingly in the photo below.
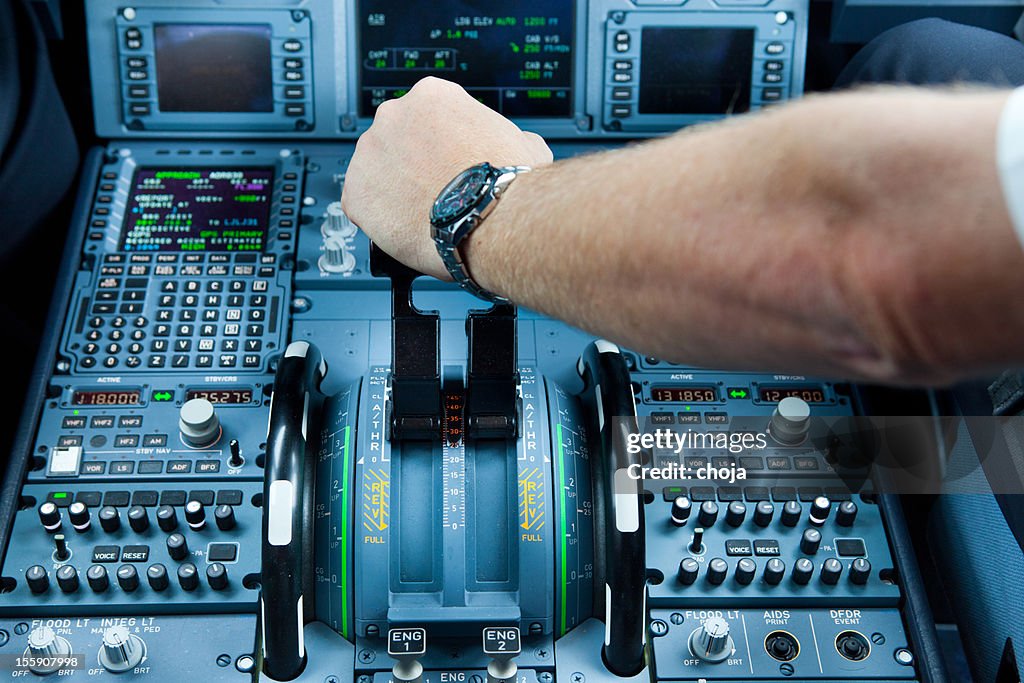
(460, 195)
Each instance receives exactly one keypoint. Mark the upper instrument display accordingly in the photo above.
(516, 58)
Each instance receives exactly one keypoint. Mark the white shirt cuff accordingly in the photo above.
(1010, 156)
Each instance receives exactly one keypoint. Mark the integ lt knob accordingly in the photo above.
(198, 422)
(121, 650)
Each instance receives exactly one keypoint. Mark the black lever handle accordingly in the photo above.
(287, 579)
(618, 505)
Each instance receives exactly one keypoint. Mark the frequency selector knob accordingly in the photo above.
(860, 571)
(78, 513)
(791, 512)
(712, 642)
(121, 650)
(681, 508)
(774, 570)
(708, 513)
(46, 650)
(735, 513)
(763, 513)
(846, 513)
(199, 424)
(336, 257)
(336, 223)
(819, 510)
(790, 421)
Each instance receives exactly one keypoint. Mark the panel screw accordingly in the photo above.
(334, 679)
(476, 678)
(904, 656)
(786, 669)
(366, 656)
(659, 627)
(577, 677)
(361, 679)
(544, 677)
(21, 628)
(676, 618)
(877, 638)
(541, 653)
(223, 660)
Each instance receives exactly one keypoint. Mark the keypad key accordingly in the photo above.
(254, 330)
(229, 345)
(236, 300)
(206, 344)
(187, 316)
(118, 322)
(110, 362)
(96, 322)
(169, 286)
(251, 361)
(165, 315)
(211, 315)
(204, 361)
(185, 330)
(166, 300)
(233, 314)
(162, 330)
(91, 349)
(158, 345)
(260, 285)
(88, 362)
(179, 361)
(157, 361)
(115, 335)
(231, 330)
(236, 286)
(257, 314)
(228, 361)
(258, 300)
(253, 345)
(93, 335)
(182, 345)
(130, 309)
(138, 335)
(133, 361)
(215, 286)
(191, 286)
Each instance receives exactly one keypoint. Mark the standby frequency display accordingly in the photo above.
(198, 209)
(515, 58)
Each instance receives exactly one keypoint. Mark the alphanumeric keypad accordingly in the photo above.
(180, 311)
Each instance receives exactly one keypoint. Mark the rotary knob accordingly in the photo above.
(688, 569)
(831, 570)
(67, 578)
(735, 513)
(708, 513)
(37, 579)
(110, 520)
(763, 513)
(819, 510)
(810, 541)
(336, 223)
(712, 642)
(121, 650)
(774, 570)
(846, 513)
(791, 512)
(681, 508)
(746, 568)
(717, 569)
(188, 576)
(78, 513)
(49, 516)
(195, 515)
(138, 518)
(198, 422)
(336, 257)
(47, 648)
(791, 421)
(802, 571)
(97, 578)
(156, 574)
(860, 571)
(225, 517)
(177, 546)
(167, 518)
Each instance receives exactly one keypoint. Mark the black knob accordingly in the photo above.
(225, 517)
(735, 513)
(97, 577)
(67, 578)
(846, 513)
(37, 579)
(831, 570)
(49, 515)
(763, 513)
(681, 507)
(138, 518)
(177, 547)
(688, 570)
(708, 513)
(717, 569)
(217, 576)
(61, 552)
(819, 510)
(166, 518)
(746, 568)
(195, 515)
(110, 520)
(236, 454)
(157, 577)
(791, 513)
(127, 578)
(697, 542)
(860, 571)
(774, 570)
(810, 541)
(803, 570)
(78, 513)
(188, 576)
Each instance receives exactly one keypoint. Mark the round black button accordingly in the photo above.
(188, 576)
(97, 577)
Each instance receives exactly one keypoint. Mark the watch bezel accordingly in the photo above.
(444, 223)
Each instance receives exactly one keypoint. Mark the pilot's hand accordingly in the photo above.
(416, 145)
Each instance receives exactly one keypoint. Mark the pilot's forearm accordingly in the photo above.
(860, 235)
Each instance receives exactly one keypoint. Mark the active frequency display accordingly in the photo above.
(198, 209)
(518, 61)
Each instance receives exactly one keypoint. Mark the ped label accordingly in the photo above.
(407, 642)
(501, 641)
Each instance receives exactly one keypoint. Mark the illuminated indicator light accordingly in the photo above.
(60, 496)
(738, 393)
(75, 411)
(686, 407)
(162, 396)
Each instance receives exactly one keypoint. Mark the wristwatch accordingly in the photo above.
(460, 207)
